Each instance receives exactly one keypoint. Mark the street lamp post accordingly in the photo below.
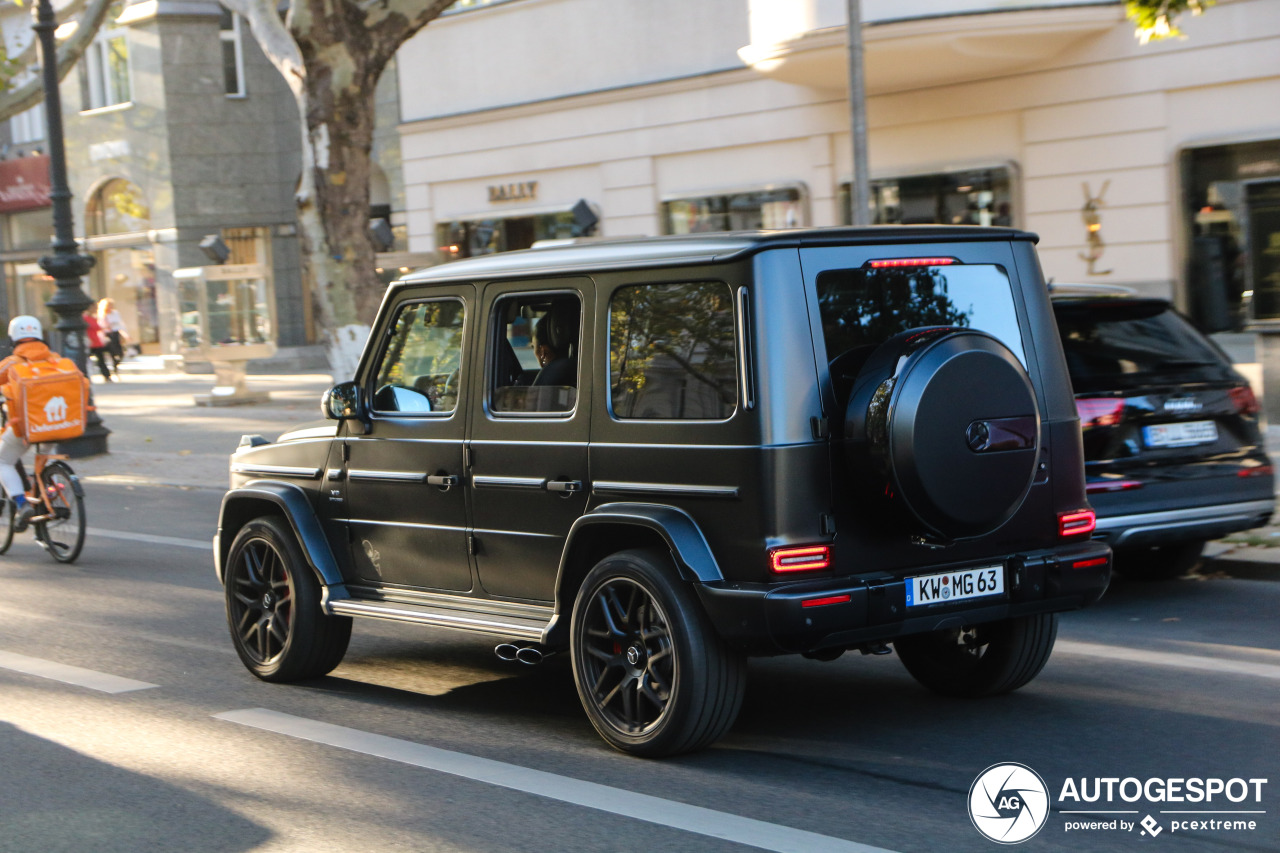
(66, 265)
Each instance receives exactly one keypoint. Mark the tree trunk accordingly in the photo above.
(331, 53)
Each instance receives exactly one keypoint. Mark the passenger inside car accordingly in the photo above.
(556, 349)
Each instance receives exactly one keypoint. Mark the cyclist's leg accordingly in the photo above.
(12, 446)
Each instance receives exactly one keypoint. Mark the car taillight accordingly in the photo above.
(809, 558)
(890, 263)
(1243, 399)
(1256, 471)
(1099, 411)
(1076, 523)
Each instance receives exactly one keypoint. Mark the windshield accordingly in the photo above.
(862, 308)
(1121, 344)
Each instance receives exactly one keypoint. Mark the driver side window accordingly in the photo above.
(421, 364)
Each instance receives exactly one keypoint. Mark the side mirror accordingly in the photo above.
(342, 402)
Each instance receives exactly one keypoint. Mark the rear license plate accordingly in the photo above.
(950, 587)
(1181, 435)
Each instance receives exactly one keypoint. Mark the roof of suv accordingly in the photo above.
(699, 248)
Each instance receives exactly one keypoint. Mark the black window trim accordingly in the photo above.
(382, 352)
(739, 352)
(491, 361)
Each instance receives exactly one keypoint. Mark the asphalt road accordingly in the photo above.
(423, 740)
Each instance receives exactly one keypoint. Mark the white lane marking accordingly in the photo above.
(70, 674)
(741, 830)
(1224, 666)
(152, 539)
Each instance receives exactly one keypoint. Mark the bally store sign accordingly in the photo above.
(24, 183)
(523, 191)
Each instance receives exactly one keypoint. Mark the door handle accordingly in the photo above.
(564, 487)
(444, 481)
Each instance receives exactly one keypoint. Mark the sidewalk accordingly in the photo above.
(159, 436)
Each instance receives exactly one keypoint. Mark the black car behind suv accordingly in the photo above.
(1174, 452)
(666, 455)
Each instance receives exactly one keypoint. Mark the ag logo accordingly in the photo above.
(1008, 803)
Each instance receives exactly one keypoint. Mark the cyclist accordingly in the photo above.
(28, 345)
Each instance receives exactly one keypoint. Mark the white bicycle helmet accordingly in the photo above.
(25, 326)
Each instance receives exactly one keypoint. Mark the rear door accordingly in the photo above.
(530, 422)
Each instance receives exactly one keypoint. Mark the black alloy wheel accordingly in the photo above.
(62, 533)
(653, 676)
(273, 607)
(981, 660)
(8, 517)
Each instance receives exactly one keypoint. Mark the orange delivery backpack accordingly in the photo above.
(50, 397)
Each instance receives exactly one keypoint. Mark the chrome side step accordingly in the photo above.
(524, 622)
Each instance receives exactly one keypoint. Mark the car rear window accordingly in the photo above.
(863, 307)
(1113, 345)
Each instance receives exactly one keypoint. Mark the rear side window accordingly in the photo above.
(861, 308)
(671, 352)
(1118, 344)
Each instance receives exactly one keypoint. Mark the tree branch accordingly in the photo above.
(27, 95)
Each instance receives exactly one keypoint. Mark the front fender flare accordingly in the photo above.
(242, 504)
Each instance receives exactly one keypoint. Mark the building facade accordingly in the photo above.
(178, 131)
(1155, 166)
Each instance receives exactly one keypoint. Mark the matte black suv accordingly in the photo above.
(666, 455)
(1174, 452)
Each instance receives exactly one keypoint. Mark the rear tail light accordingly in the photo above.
(809, 558)
(891, 263)
(1243, 399)
(1099, 411)
(1076, 523)
(1256, 471)
(1113, 486)
(823, 602)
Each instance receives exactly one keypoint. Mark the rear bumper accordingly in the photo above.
(774, 619)
(1178, 525)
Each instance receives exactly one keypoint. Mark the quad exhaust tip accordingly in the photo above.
(526, 653)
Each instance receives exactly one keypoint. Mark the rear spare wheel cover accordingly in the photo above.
(958, 432)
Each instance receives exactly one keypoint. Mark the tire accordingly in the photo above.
(273, 607)
(1162, 563)
(62, 535)
(653, 675)
(983, 660)
(7, 514)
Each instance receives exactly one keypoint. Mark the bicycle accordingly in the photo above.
(59, 522)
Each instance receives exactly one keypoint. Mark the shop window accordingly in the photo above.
(469, 238)
(1232, 203)
(971, 197)
(671, 352)
(232, 54)
(744, 211)
(126, 273)
(104, 70)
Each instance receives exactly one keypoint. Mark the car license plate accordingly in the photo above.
(950, 587)
(1181, 435)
